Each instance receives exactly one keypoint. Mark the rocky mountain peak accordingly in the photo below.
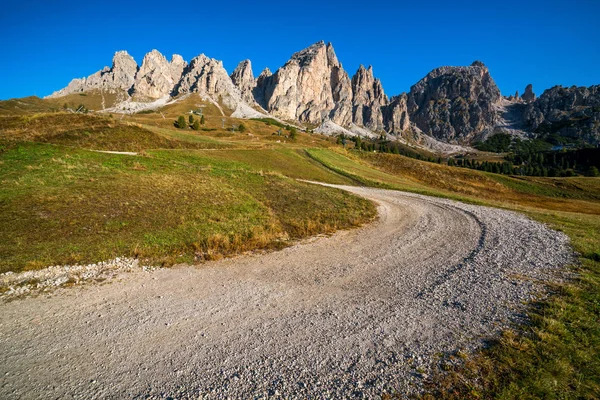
(528, 95)
(305, 87)
(572, 112)
(242, 74)
(332, 57)
(368, 98)
(265, 73)
(308, 55)
(123, 71)
(455, 104)
(157, 76)
(120, 77)
(451, 104)
(207, 76)
(243, 78)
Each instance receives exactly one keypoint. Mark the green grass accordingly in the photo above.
(356, 171)
(84, 131)
(557, 355)
(270, 121)
(61, 205)
(567, 188)
(294, 163)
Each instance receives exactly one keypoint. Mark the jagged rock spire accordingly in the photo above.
(368, 98)
(243, 78)
(157, 77)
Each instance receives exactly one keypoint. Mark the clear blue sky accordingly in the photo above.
(45, 43)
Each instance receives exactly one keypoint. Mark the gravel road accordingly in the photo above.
(348, 316)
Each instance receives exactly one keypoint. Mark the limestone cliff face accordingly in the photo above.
(455, 104)
(341, 87)
(395, 115)
(243, 78)
(451, 104)
(157, 77)
(304, 88)
(571, 112)
(368, 100)
(259, 90)
(120, 76)
(207, 76)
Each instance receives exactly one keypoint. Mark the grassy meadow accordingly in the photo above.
(189, 196)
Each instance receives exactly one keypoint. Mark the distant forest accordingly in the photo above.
(551, 156)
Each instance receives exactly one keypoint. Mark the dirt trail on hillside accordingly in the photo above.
(351, 315)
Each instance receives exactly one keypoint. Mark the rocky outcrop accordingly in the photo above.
(395, 115)
(157, 77)
(454, 104)
(303, 89)
(261, 85)
(451, 104)
(368, 99)
(528, 95)
(243, 78)
(341, 87)
(571, 112)
(120, 76)
(207, 76)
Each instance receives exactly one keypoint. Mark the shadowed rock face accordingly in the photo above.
(454, 104)
(395, 115)
(258, 92)
(573, 112)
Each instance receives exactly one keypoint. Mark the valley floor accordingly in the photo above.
(356, 314)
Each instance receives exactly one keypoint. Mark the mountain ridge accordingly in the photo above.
(454, 105)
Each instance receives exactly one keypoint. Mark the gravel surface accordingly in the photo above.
(47, 280)
(348, 316)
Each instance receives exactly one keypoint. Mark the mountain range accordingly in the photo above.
(452, 105)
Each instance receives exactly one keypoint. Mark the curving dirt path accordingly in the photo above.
(352, 315)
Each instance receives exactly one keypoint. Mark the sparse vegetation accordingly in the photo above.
(180, 122)
(270, 121)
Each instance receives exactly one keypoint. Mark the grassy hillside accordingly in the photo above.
(173, 202)
(25, 105)
(521, 193)
(63, 205)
